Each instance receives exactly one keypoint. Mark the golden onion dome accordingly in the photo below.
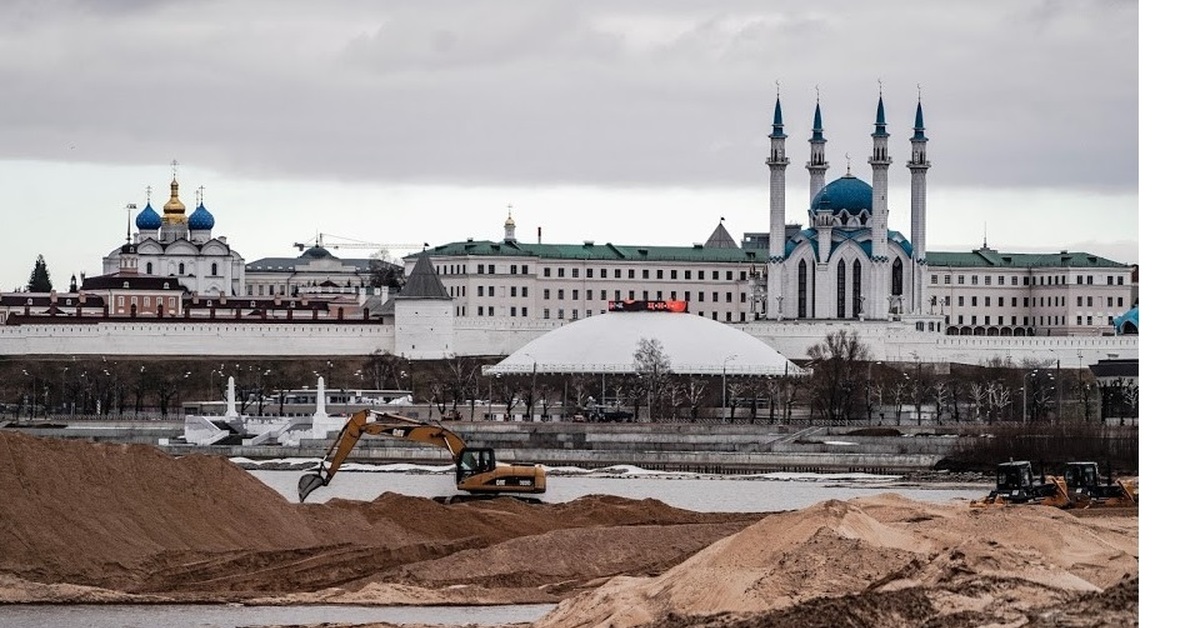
(174, 209)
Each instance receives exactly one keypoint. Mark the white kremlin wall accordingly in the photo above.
(424, 334)
(195, 338)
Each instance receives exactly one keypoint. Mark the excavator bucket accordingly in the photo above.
(310, 482)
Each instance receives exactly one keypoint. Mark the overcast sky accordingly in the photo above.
(627, 122)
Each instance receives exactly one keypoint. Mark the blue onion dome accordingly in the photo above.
(148, 218)
(201, 219)
(849, 193)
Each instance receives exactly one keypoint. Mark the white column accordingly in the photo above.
(230, 404)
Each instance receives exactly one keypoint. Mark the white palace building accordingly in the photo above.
(789, 287)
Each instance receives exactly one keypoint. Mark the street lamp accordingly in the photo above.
(1025, 396)
(724, 365)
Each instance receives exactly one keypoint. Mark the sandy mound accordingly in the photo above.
(133, 519)
(949, 559)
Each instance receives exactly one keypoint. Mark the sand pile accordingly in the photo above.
(133, 519)
(902, 561)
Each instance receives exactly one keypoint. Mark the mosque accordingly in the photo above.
(848, 263)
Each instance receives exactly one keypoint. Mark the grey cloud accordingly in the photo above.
(1017, 93)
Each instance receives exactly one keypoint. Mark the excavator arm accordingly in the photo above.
(382, 424)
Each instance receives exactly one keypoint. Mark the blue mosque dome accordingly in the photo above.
(1127, 323)
(201, 219)
(849, 193)
(148, 218)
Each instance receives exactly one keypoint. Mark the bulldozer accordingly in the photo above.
(1078, 487)
(1086, 490)
(1016, 484)
(476, 472)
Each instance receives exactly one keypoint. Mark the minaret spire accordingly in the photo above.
(777, 163)
(877, 305)
(816, 165)
(918, 165)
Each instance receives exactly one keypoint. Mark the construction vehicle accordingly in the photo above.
(1086, 490)
(1078, 487)
(1015, 484)
(476, 471)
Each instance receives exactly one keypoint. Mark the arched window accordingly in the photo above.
(803, 288)
(858, 295)
(180, 268)
(149, 268)
(897, 278)
(214, 269)
(841, 289)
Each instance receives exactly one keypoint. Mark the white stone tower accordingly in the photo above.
(879, 287)
(510, 227)
(777, 162)
(917, 166)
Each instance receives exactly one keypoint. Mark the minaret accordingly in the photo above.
(510, 227)
(877, 300)
(816, 157)
(777, 163)
(917, 166)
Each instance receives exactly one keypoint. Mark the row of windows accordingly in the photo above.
(659, 273)
(673, 295)
(150, 269)
(1056, 301)
(590, 273)
(512, 291)
(1042, 280)
(1041, 320)
(145, 301)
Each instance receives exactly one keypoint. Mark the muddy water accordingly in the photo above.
(698, 493)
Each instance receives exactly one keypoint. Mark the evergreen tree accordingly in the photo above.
(39, 279)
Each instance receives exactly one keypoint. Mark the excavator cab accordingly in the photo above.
(474, 461)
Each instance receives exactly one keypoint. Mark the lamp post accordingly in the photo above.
(724, 368)
(1025, 396)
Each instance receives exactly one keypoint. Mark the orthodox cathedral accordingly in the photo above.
(848, 263)
(180, 246)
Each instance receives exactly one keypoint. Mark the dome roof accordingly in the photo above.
(1127, 323)
(606, 343)
(316, 252)
(201, 219)
(148, 218)
(848, 193)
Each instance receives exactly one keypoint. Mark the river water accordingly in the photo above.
(761, 493)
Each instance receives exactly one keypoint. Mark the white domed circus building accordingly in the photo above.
(692, 345)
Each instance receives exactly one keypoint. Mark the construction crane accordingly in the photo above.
(351, 243)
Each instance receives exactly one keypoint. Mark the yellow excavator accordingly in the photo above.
(475, 468)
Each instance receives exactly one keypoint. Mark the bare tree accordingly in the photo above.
(978, 399)
(941, 395)
(693, 393)
(653, 367)
(838, 365)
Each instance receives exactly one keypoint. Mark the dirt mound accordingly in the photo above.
(132, 519)
(958, 560)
